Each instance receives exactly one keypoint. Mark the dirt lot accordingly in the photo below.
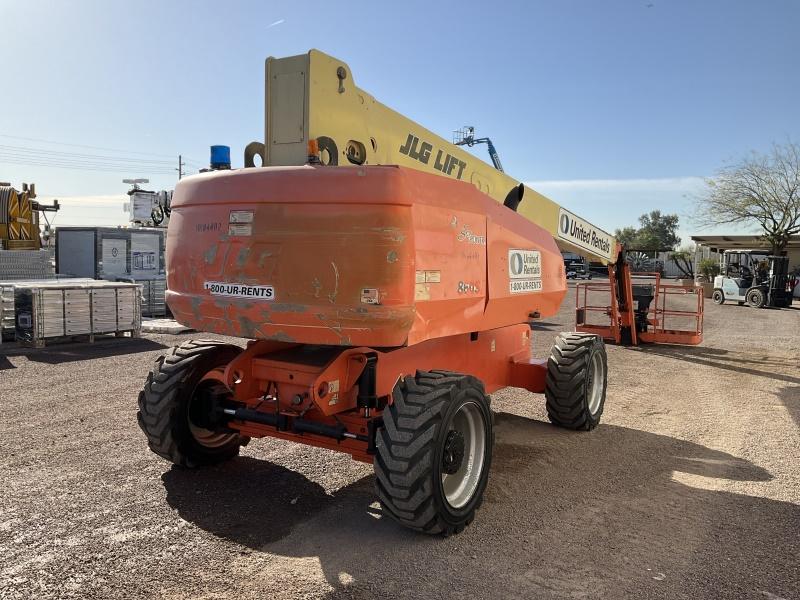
(690, 488)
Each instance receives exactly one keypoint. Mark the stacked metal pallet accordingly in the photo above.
(129, 313)
(104, 310)
(154, 292)
(154, 297)
(46, 312)
(7, 314)
(26, 264)
(77, 311)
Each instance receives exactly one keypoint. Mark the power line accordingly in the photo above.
(22, 160)
(41, 152)
(29, 139)
(83, 161)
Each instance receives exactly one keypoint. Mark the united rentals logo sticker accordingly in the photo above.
(583, 234)
(524, 271)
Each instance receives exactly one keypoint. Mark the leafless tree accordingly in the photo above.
(762, 189)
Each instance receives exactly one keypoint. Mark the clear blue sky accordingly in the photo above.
(611, 108)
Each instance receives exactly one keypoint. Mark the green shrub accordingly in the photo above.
(708, 268)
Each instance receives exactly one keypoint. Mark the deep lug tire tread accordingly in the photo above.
(407, 451)
(161, 413)
(566, 381)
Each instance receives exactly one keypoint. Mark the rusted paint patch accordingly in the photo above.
(211, 254)
(288, 307)
(279, 336)
(262, 258)
(196, 301)
(393, 234)
(222, 302)
(251, 329)
(225, 258)
(336, 327)
(241, 259)
(247, 327)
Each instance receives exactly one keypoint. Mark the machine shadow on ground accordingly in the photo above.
(631, 503)
(75, 352)
(247, 501)
(546, 326)
(790, 398)
(756, 363)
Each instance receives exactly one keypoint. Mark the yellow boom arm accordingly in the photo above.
(314, 97)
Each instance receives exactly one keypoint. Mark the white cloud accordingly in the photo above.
(278, 22)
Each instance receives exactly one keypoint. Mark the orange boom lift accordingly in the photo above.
(382, 303)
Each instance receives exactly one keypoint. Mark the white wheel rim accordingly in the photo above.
(459, 487)
(597, 375)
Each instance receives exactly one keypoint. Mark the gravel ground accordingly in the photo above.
(690, 488)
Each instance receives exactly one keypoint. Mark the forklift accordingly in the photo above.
(754, 277)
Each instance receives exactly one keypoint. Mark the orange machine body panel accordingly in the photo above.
(371, 256)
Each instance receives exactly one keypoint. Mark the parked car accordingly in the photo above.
(578, 271)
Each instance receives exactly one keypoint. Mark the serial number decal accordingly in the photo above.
(238, 229)
(522, 286)
(240, 290)
(241, 216)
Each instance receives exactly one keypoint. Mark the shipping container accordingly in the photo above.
(110, 253)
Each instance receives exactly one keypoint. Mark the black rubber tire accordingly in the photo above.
(755, 298)
(408, 463)
(718, 297)
(164, 403)
(569, 380)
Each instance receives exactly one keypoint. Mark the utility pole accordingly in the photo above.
(181, 164)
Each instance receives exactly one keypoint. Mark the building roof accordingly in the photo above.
(729, 242)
